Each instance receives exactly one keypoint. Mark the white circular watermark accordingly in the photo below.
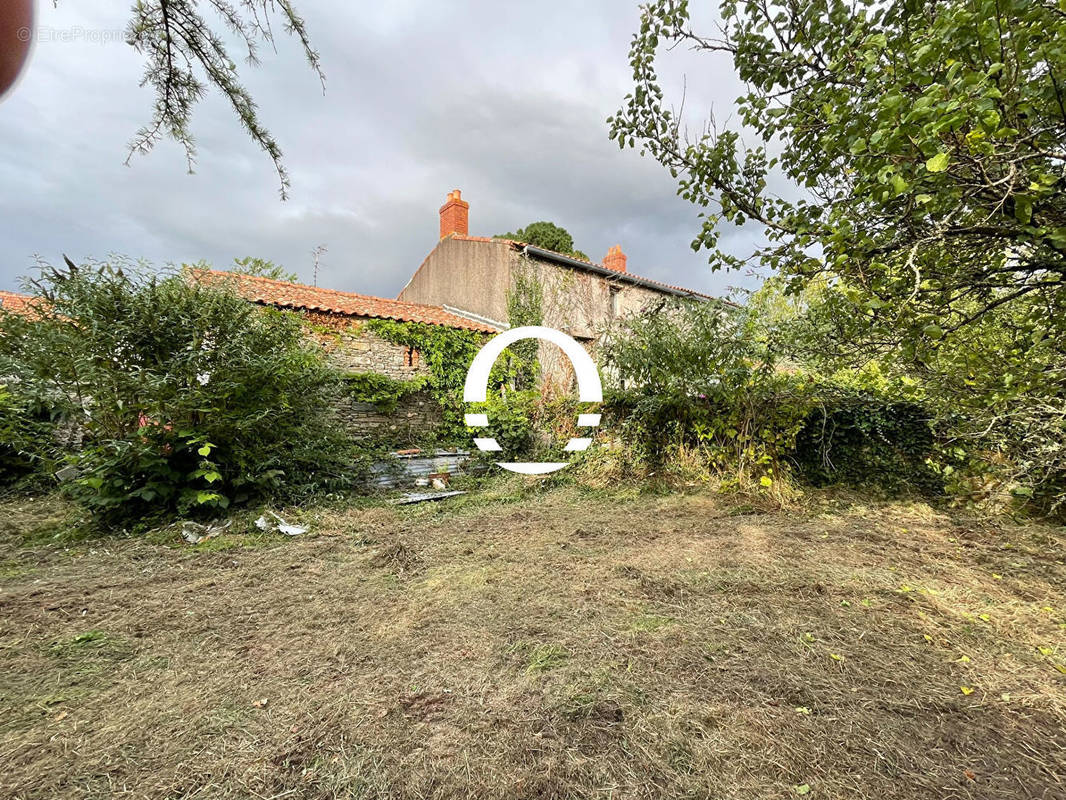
(590, 390)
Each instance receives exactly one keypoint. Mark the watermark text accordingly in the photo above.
(44, 34)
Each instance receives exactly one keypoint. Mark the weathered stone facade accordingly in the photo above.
(352, 348)
(478, 276)
(415, 415)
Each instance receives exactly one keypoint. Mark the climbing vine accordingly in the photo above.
(384, 392)
(447, 354)
(525, 306)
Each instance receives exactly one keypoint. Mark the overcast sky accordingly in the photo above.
(505, 101)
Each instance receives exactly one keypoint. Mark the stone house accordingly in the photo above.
(337, 321)
(466, 282)
(477, 277)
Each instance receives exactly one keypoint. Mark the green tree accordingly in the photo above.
(547, 235)
(191, 399)
(924, 145)
(261, 268)
(925, 140)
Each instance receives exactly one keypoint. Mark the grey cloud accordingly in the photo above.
(505, 101)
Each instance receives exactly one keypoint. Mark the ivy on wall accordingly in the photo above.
(447, 354)
(525, 306)
(382, 391)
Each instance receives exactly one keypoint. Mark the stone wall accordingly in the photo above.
(415, 415)
(350, 347)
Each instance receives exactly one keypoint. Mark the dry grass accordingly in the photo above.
(567, 646)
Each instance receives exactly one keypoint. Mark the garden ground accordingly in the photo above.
(557, 644)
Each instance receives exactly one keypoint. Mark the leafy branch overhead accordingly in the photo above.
(186, 55)
(924, 142)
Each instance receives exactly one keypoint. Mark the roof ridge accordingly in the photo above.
(244, 277)
(517, 243)
(601, 265)
(342, 292)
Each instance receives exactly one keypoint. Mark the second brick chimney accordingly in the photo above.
(615, 259)
(455, 216)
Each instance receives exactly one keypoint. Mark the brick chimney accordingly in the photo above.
(615, 259)
(454, 216)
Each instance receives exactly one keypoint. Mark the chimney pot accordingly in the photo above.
(454, 216)
(615, 259)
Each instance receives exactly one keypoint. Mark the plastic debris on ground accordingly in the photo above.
(68, 473)
(280, 525)
(194, 532)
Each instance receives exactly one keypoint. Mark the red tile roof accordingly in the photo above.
(653, 283)
(311, 298)
(15, 303)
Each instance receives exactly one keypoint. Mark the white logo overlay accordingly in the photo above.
(590, 390)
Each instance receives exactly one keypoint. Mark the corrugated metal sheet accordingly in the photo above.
(403, 470)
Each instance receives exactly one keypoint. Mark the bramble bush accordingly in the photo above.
(191, 399)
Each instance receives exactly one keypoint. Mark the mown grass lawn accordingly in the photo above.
(542, 645)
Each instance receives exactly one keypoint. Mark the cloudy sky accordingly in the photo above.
(505, 101)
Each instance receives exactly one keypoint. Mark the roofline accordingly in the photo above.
(460, 312)
(577, 263)
(636, 280)
(465, 323)
(459, 238)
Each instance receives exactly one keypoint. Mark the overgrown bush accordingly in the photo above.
(995, 390)
(382, 391)
(703, 383)
(511, 421)
(692, 376)
(865, 442)
(27, 438)
(191, 398)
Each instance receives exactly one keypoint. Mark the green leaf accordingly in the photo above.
(1023, 208)
(205, 451)
(937, 163)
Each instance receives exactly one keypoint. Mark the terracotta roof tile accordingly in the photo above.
(312, 298)
(16, 303)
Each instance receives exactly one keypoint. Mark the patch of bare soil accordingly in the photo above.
(565, 647)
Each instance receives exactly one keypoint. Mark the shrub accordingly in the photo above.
(693, 376)
(702, 383)
(865, 442)
(193, 399)
(382, 391)
(511, 421)
(27, 438)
